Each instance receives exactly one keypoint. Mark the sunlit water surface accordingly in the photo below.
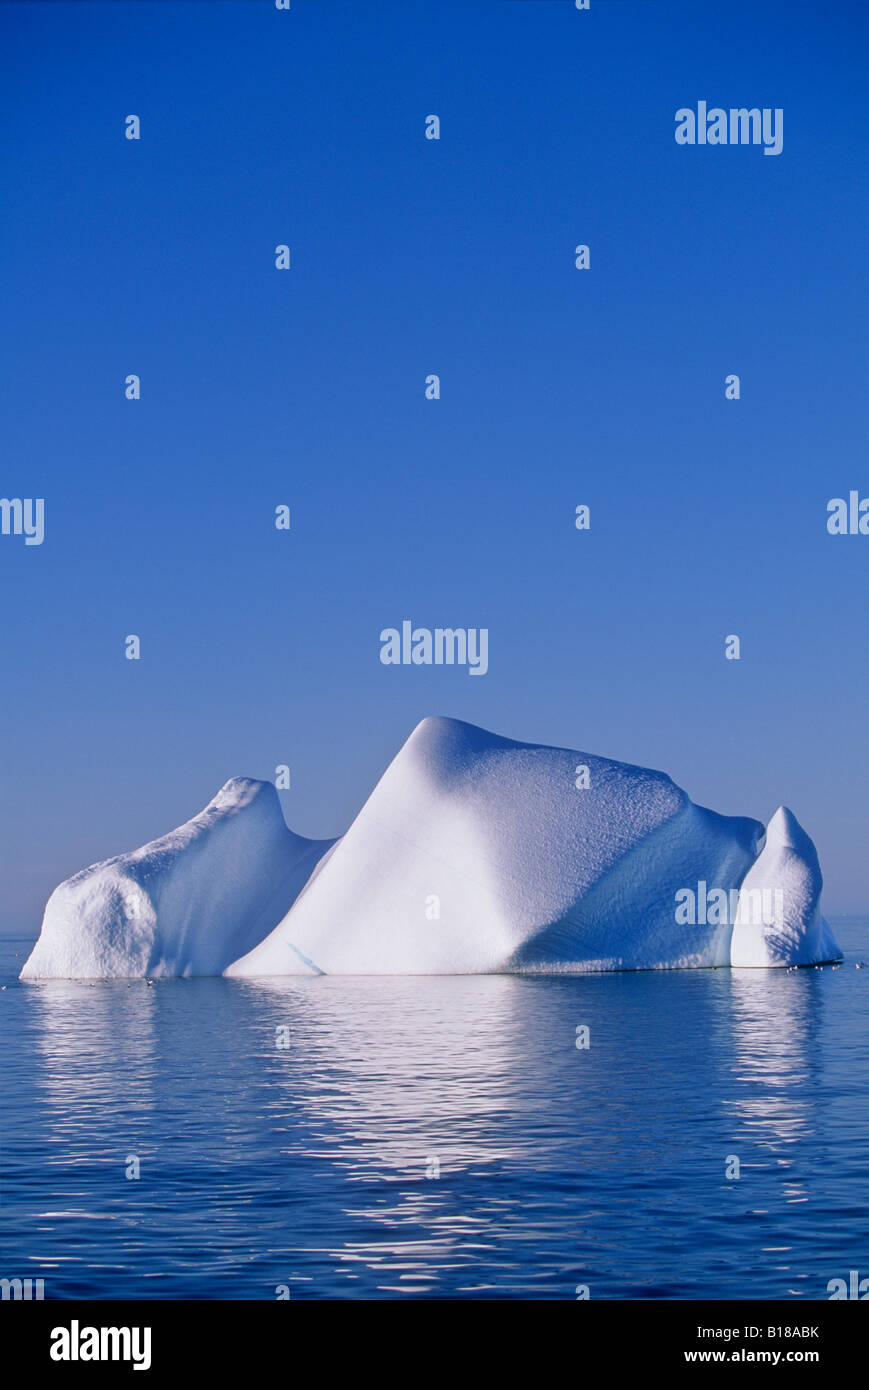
(438, 1136)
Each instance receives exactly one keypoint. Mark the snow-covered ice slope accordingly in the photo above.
(473, 853)
(476, 853)
(779, 920)
(186, 904)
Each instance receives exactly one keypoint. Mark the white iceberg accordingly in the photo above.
(186, 904)
(778, 920)
(473, 854)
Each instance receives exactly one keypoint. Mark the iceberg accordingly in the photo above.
(186, 904)
(473, 854)
(778, 920)
(478, 854)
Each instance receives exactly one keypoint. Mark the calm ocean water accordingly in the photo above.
(438, 1137)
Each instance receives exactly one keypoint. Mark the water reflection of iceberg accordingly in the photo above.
(97, 1059)
(412, 1121)
(382, 1074)
(775, 1026)
(94, 1040)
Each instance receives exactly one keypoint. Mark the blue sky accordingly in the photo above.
(306, 387)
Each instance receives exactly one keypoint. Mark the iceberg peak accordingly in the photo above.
(187, 903)
(778, 920)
